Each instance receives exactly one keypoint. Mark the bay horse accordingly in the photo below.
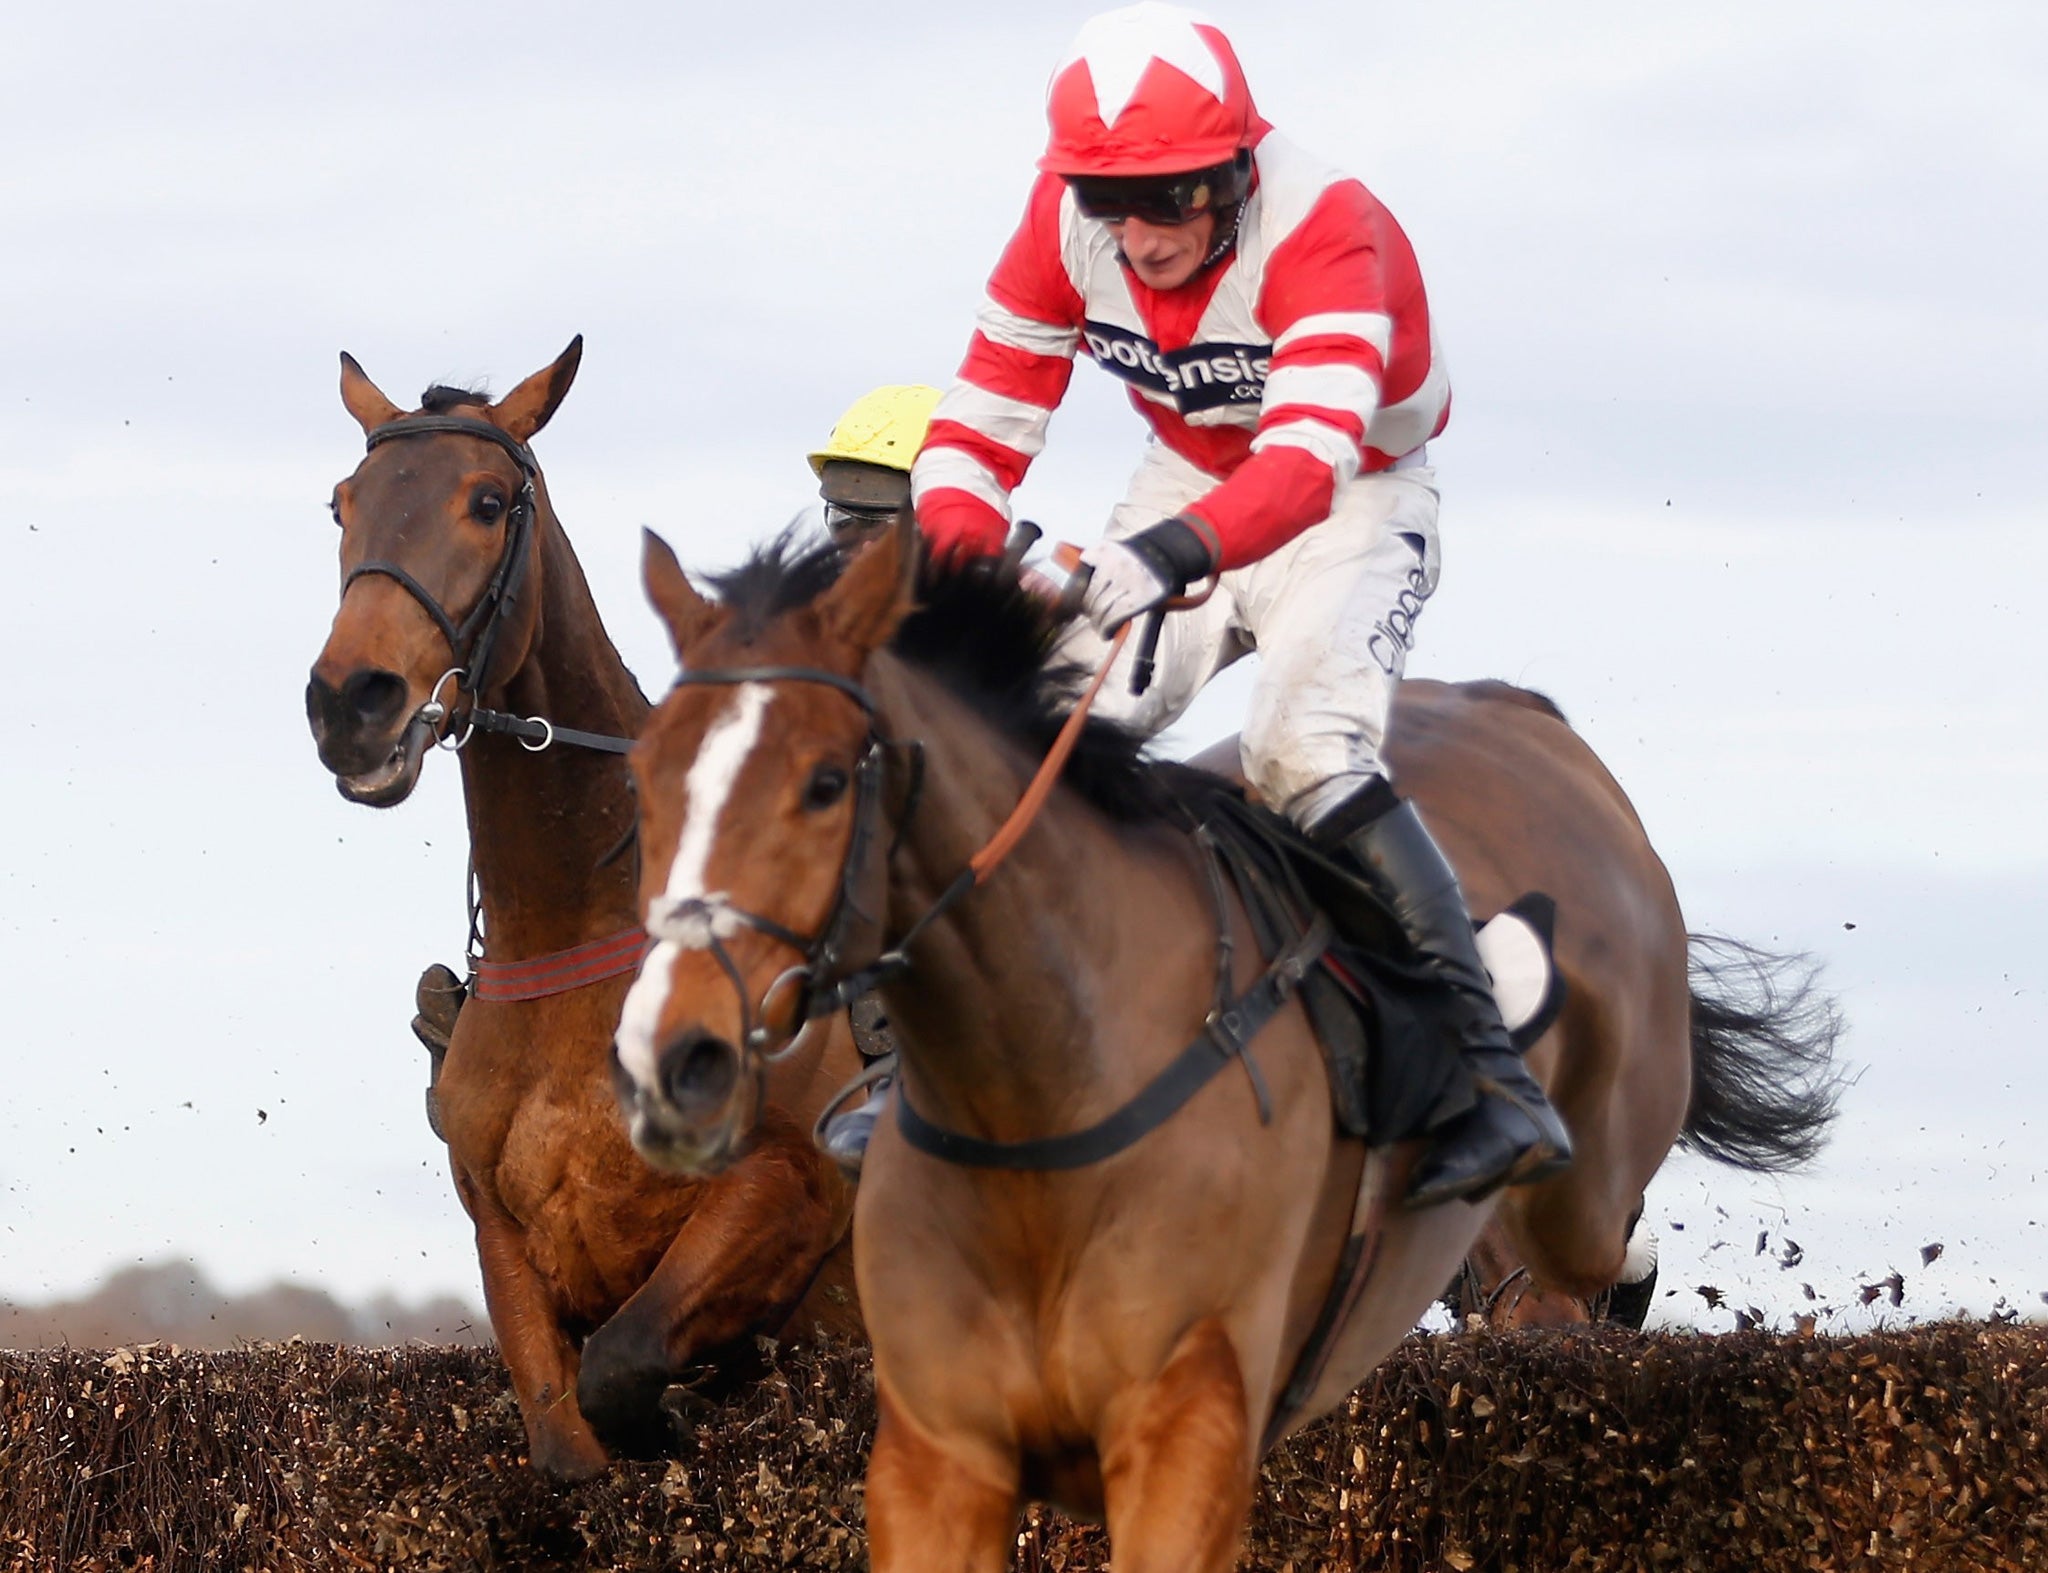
(1082, 1289)
(1740, 1072)
(463, 607)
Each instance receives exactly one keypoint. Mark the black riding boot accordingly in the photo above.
(1511, 1135)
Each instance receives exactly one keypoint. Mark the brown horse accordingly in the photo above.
(604, 1279)
(1089, 1279)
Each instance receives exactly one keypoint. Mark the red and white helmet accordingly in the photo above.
(1150, 89)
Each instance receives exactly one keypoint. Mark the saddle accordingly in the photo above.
(1375, 1007)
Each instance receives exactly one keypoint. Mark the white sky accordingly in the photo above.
(1744, 312)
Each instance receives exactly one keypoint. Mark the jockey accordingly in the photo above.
(864, 468)
(1269, 319)
(864, 477)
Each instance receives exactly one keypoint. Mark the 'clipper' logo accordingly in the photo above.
(1393, 635)
(1200, 377)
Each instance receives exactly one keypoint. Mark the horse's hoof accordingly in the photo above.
(619, 1389)
(570, 1459)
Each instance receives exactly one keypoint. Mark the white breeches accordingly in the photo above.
(1331, 614)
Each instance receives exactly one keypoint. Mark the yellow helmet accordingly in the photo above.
(884, 427)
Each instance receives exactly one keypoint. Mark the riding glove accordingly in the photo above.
(1131, 577)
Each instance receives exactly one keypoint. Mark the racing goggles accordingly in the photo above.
(1162, 199)
(841, 519)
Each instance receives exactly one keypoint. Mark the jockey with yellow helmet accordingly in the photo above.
(864, 478)
(1269, 319)
(864, 468)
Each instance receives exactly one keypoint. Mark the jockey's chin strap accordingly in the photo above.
(472, 641)
(704, 923)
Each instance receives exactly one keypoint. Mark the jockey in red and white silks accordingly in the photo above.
(1268, 317)
(1291, 385)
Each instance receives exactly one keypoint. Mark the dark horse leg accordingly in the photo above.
(738, 1266)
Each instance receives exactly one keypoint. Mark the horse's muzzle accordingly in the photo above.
(363, 736)
(695, 1118)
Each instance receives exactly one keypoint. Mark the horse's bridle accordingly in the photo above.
(693, 922)
(471, 641)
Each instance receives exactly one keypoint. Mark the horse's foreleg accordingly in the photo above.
(538, 1354)
(1177, 1463)
(738, 1265)
(927, 1510)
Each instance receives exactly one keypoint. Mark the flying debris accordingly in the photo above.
(1893, 1286)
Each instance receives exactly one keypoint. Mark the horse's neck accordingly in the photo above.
(1001, 1020)
(541, 824)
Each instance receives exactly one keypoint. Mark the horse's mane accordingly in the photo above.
(978, 631)
(440, 399)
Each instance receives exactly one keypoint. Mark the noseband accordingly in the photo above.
(471, 641)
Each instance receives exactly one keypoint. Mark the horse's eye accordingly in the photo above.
(826, 787)
(487, 507)
(334, 507)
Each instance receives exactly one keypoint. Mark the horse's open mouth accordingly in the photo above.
(391, 782)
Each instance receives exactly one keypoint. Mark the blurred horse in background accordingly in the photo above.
(1664, 1038)
(465, 619)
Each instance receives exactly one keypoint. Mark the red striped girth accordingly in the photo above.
(559, 971)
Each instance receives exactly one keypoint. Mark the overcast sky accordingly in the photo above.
(1744, 312)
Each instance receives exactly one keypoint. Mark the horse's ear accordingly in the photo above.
(365, 401)
(877, 590)
(528, 407)
(686, 613)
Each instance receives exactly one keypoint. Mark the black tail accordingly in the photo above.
(1764, 1080)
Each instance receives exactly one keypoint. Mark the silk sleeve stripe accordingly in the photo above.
(1016, 374)
(954, 469)
(1000, 325)
(1336, 386)
(1374, 327)
(1337, 449)
(1014, 423)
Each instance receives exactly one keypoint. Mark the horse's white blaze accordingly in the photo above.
(720, 759)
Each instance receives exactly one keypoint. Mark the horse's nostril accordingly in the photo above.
(698, 1071)
(321, 700)
(375, 697)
